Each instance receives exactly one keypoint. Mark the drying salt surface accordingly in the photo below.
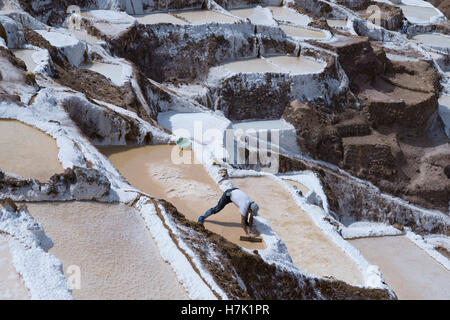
(407, 269)
(250, 66)
(187, 186)
(117, 257)
(299, 32)
(297, 65)
(290, 15)
(83, 35)
(205, 16)
(311, 250)
(11, 285)
(416, 14)
(256, 15)
(297, 185)
(155, 18)
(111, 71)
(435, 40)
(283, 64)
(27, 151)
(333, 23)
(26, 55)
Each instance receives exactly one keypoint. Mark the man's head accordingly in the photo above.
(254, 208)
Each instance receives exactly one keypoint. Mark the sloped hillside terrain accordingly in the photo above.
(94, 96)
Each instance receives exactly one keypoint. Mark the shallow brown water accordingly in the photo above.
(187, 186)
(311, 250)
(115, 253)
(27, 151)
(407, 269)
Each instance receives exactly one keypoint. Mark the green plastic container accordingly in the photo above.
(184, 143)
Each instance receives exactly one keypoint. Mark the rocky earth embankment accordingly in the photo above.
(393, 136)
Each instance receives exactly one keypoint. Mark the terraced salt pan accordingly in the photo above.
(115, 253)
(407, 269)
(111, 71)
(334, 23)
(299, 32)
(416, 14)
(284, 64)
(434, 40)
(297, 65)
(11, 285)
(83, 35)
(26, 55)
(287, 132)
(311, 250)
(27, 151)
(205, 16)
(290, 15)
(187, 186)
(156, 18)
(257, 15)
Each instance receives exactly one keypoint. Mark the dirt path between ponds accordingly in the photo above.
(187, 186)
(311, 250)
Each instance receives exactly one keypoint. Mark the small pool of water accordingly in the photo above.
(205, 16)
(435, 40)
(109, 243)
(156, 18)
(299, 32)
(27, 151)
(111, 71)
(408, 269)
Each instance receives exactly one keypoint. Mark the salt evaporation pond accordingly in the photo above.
(26, 55)
(299, 32)
(289, 15)
(311, 250)
(417, 14)
(282, 64)
(407, 269)
(187, 186)
(205, 16)
(109, 243)
(156, 18)
(27, 151)
(11, 284)
(433, 39)
(111, 71)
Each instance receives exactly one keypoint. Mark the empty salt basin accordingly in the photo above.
(281, 133)
(205, 16)
(434, 40)
(163, 172)
(421, 15)
(257, 15)
(156, 18)
(86, 37)
(27, 151)
(11, 284)
(407, 269)
(280, 64)
(300, 32)
(290, 15)
(338, 24)
(108, 249)
(114, 72)
(311, 250)
(29, 56)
